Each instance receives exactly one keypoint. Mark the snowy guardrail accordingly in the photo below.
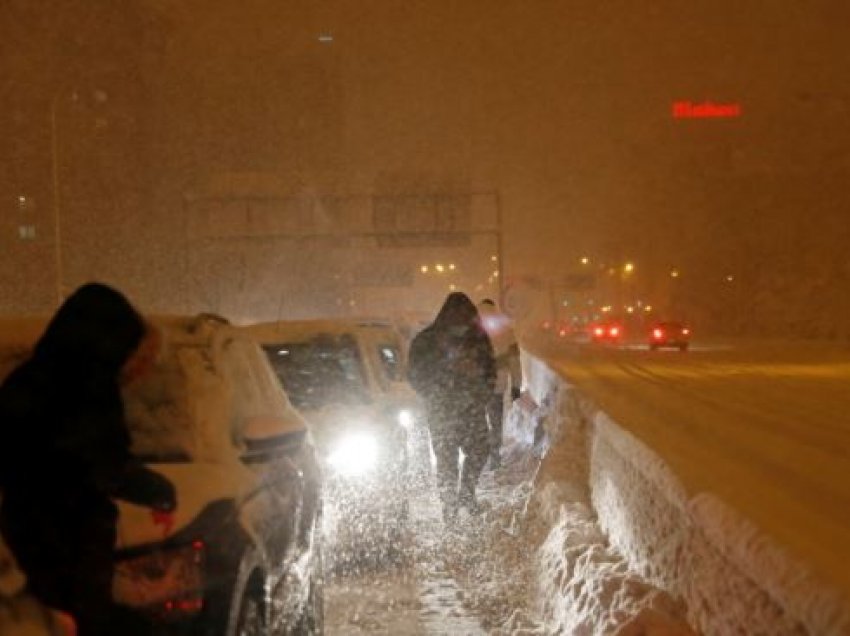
(625, 548)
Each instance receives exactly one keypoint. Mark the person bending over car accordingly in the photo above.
(453, 370)
(65, 454)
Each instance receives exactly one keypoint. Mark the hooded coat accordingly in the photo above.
(65, 452)
(451, 361)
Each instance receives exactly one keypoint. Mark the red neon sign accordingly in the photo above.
(705, 110)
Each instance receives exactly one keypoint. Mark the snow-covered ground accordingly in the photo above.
(721, 474)
(536, 562)
(471, 579)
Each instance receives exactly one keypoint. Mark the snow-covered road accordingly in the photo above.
(766, 427)
(473, 580)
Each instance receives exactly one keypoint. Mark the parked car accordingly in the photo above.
(669, 334)
(240, 554)
(348, 379)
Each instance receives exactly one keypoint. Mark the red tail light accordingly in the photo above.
(614, 331)
(191, 605)
(658, 334)
(599, 331)
(167, 583)
(686, 332)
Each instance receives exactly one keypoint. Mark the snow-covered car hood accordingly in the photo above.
(198, 485)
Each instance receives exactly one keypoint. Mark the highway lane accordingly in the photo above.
(766, 426)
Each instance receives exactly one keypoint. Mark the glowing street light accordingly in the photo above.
(628, 268)
(729, 278)
(494, 258)
(674, 273)
(439, 267)
(424, 269)
(452, 266)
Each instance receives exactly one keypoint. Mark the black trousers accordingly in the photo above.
(453, 431)
(495, 417)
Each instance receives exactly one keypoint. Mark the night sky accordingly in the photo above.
(564, 108)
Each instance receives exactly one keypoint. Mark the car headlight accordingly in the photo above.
(354, 455)
(405, 418)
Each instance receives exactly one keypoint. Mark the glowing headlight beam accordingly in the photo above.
(354, 455)
(405, 418)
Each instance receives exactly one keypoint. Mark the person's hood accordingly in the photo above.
(96, 327)
(457, 311)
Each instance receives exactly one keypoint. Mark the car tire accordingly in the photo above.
(312, 620)
(253, 610)
(653, 347)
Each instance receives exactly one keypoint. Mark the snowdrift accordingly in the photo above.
(628, 551)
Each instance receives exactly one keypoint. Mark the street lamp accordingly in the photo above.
(100, 97)
(57, 225)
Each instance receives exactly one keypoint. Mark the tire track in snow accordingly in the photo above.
(456, 582)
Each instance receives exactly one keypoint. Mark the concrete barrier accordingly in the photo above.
(713, 565)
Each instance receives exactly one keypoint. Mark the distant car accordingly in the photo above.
(670, 335)
(606, 332)
(348, 379)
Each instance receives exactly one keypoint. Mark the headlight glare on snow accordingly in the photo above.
(354, 455)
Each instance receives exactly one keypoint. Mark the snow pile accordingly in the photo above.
(492, 557)
(629, 551)
(585, 584)
(590, 587)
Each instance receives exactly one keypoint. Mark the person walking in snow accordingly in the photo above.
(508, 372)
(453, 370)
(65, 454)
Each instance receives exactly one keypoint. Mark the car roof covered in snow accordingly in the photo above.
(219, 348)
(299, 330)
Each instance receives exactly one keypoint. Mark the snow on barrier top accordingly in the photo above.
(733, 576)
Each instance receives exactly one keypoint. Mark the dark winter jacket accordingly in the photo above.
(64, 444)
(451, 361)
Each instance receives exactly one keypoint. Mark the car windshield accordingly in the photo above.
(322, 371)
